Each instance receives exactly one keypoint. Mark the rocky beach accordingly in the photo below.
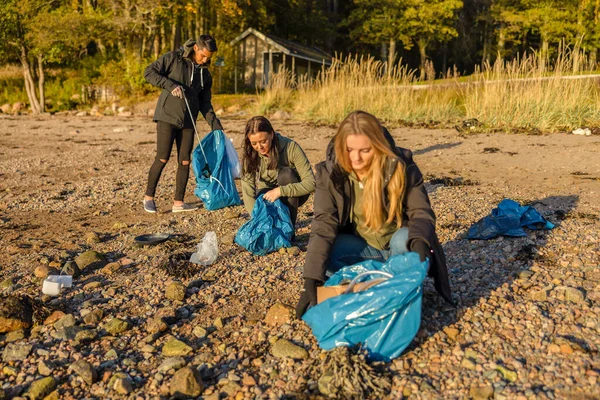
(145, 323)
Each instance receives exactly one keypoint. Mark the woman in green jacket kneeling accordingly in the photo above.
(275, 166)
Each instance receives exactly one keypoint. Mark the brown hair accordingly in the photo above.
(251, 158)
(363, 123)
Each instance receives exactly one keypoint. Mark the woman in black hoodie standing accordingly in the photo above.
(183, 75)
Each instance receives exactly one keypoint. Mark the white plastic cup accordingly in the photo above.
(52, 285)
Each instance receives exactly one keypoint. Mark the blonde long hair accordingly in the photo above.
(373, 205)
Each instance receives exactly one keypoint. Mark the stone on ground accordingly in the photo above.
(41, 388)
(90, 260)
(176, 347)
(15, 313)
(85, 371)
(186, 383)
(284, 348)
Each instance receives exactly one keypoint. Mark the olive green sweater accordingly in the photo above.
(290, 155)
(380, 239)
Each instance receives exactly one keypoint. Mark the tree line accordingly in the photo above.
(441, 34)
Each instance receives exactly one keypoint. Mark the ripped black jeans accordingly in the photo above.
(166, 134)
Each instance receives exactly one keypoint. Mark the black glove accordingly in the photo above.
(308, 298)
(420, 247)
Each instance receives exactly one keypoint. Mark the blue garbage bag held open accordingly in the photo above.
(384, 318)
(508, 219)
(214, 182)
(269, 229)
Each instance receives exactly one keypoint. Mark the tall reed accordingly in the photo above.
(524, 93)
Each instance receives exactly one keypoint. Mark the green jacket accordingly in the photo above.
(173, 69)
(290, 155)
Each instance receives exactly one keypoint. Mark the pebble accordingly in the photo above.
(199, 332)
(86, 335)
(248, 380)
(14, 336)
(71, 268)
(186, 382)
(92, 285)
(16, 352)
(94, 317)
(45, 368)
(172, 363)
(111, 355)
(92, 238)
(43, 271)
(279, 314)
(121, 383)
(55, 316)
(89, 260)
(15, 313)
(155, 325)
(85, 371)
(110, 268)
(452, 333)
(175, 291)
(175, 347)
(481, 392)
(284, 348)
(65, 322)
(116, 326)
(468, 364)
(41, 388)
(509, 375)
(231, 388)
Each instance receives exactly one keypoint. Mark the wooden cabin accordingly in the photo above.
(258, 54)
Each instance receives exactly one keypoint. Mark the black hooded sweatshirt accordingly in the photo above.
(176, 68)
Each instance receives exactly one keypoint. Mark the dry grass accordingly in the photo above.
(524, 94)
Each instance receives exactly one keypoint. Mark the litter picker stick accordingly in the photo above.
(195, 130)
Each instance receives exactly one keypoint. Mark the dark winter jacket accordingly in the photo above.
(173, 69)
(332, 208)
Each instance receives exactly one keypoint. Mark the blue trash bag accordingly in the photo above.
(384, 318)
(269, 229)
(214, 183)
(508, 219)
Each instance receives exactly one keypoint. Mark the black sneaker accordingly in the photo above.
(150, 206)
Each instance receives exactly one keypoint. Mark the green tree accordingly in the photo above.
(36, 32)
(551, 20)
(411, 22)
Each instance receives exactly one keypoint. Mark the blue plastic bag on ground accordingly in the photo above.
(508, 219)
(269, 229)
(384, 318)
(214, 182)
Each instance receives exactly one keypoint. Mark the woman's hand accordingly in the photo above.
(272, 195)
(308, 298)
(178, 92)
